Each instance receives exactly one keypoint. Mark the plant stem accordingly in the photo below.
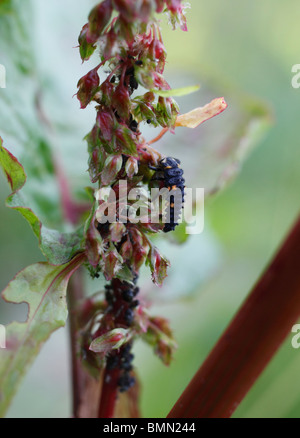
(250, 341)
(75, 295)
(109, 394)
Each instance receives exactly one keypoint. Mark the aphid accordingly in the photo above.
(127, 295)
(129, 316)
(126, 381)
(112, 362)
(133, 124)
(130, 80)
(172, 177)
(134, 304)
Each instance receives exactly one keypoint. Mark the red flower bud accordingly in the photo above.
(88, 86)
(126, 8)
(98, 20)
(157, 49)
(121, 101)
(105, 122)
(109, 46)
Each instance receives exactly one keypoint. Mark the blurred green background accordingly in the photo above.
(233, 49)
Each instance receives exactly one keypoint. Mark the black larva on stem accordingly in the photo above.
(169, 171)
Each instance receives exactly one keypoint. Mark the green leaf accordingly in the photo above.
(13, 170)
(5, 6)
(58, 248)
(43, 287)
(37, 120)
(177, 91)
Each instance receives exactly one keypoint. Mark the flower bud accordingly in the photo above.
(126, 250)
(112, 264)
(88, 86)
(160, 4)
(126, 8)
(105, 122)
(98, 20)
(109, 47)
(112, 340)
(131, 167)
(121, 101)
(156, 49)
(86, 48)
(158, 265)
(173, 5)
(112, 167)
(117, 231)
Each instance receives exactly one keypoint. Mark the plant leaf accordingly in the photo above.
(199, 115)
(58, 248)
(43, 287)
(35, 121)
(177, 91)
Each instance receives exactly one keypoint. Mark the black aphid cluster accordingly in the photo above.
(121, 299)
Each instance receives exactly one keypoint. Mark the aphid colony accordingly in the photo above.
(121, 296)
(122, 300)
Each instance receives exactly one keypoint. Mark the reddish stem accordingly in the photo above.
(109, 394)
(75, 295)
(250, 341)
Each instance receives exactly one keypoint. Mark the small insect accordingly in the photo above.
(172, 177)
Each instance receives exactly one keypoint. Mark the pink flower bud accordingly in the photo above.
(158, 265)
(160, 4)
(112, 340)
(131, 167)
(140, 248)
(174, 5)
(126, 250)
(157, 49)
(117, 231)
(112, 264)
(112, 167)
